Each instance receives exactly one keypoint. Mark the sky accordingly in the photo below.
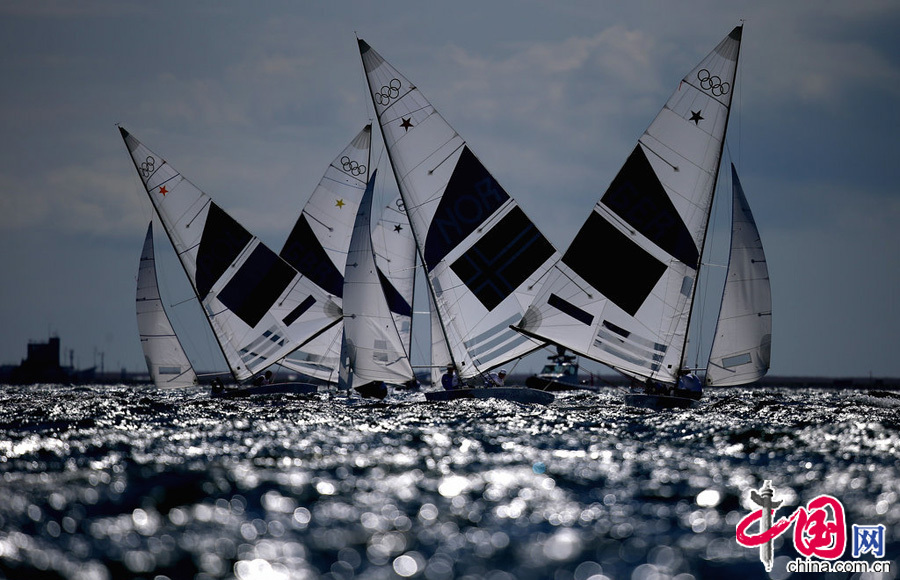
(252, 100)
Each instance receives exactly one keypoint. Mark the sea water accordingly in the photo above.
(106, 482)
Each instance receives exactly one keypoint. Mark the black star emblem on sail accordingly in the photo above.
(695, 117)
(398, 227)
(406, 124)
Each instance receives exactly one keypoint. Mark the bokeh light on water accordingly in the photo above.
(103, 483)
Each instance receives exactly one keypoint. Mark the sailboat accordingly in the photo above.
(317, 248)
(482, 255)
(622, 293)
(167, 362)
(559, 374)
(742, 344)
(373, 352)
(259, 307)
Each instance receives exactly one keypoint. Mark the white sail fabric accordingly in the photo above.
(259, 307)
(482, 254)
(317, 247)
(743, 340)
(622, 292)
(166, 360)
(373, 348)
(395, 257)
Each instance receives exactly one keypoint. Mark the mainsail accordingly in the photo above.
(743, 339)
(168, 364)
(317, 247)
(318, 243)
(373, 347)
(482, 254)
(259, 307)
(622, 292)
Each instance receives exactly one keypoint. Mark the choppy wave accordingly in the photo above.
(117, 482)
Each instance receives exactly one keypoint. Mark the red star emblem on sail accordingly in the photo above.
(163, 190)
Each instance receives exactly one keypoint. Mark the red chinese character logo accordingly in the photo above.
(818, 528)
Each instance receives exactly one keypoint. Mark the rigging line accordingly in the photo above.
(290, 290)
(161, 183)
(659, 156)
(317, 220)
(575, 282)
(199, 211)
(361, 182)
(449, 155)
(186, 300)
(397, 100)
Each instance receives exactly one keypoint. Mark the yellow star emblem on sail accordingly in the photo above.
(339, 203)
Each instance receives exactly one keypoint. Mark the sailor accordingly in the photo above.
(495, 379)
(450, 380)
(689, 386)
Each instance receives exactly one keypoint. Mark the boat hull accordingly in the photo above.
(276, 388)
(542, 384)
(373, 390)
(660, 401)
(516, 394)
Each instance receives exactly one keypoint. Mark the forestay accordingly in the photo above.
(743, 340)
(482, 254)
(166, 360)
(373, 347)
(259, 307)
(622, 292)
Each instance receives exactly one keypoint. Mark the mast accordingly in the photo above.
(738, 30)
(419, 252)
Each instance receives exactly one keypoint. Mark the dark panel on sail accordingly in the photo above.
(395, 300)
(613, 264)
(257, 285)
(221, 242)
(637, 196)
(299, 311)
(472, 195)
(570, 309)
(303, 251)
(503, 258)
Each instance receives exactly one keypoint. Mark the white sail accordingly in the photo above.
(743, 339)
(483, 256)
(317, 247)
(259, 307)
(168, 364)
(395, 258)
(373, 347)
(622, 292)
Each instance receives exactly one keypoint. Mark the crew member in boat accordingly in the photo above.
(689, 386)
(450, 379)
(495, 379)
(265, 379)
(652, 387)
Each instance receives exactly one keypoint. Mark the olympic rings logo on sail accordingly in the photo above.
(712, 83)
(352, 167)
(388, 92)
(148, 166)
